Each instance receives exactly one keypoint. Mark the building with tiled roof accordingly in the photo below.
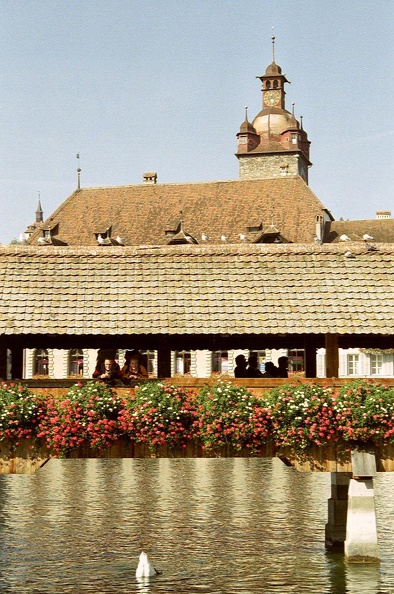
(151, 214)
(220, 267)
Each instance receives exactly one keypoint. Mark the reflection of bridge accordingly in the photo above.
(351, 508)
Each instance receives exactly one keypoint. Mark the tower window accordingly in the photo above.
(294, 138)
(268, 84)
(275, 84)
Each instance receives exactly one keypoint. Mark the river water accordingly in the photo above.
(228, 526)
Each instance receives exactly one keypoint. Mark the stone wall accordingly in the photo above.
(268, 166)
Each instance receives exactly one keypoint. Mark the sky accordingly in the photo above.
(161, 85)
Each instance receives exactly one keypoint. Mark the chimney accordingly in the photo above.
(383, 214)
(150, 178)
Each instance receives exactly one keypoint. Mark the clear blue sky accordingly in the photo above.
(161, 85)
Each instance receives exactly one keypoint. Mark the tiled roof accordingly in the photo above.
(190, 289)
(382, 230)
(141, 214)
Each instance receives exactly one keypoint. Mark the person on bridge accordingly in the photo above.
(133, 368)
(108, 371)
(270, 370)
(283, 363)
(240, 369)
(253, 367)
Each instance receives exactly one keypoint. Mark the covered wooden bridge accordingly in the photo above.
(251, 296)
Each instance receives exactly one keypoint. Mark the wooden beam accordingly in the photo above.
(163, 358)
(3, 360)
(17, 362)
(310, 348)
(332, 355)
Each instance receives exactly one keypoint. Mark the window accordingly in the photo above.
(75, 362)
(40, 362)
(376, 364)
(296, 360)
(261, 358)
(353, 364)
(219, 362)
(149, 362)
(294, 138)
(275, 84)
(183, 361)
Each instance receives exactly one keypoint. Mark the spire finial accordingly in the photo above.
(292, 108)
(273, 48)
(79, 173)
(302, 123)
(246, 113)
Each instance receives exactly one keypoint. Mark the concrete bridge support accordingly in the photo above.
(351, 522)
(361, 544)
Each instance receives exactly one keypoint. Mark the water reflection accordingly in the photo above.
(215, 526)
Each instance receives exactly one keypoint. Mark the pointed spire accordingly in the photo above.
(273, 48)
(39, 211)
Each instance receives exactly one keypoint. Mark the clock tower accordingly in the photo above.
(274, 144)
(273, 84)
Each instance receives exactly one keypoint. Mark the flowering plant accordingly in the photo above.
(88, 415)
(159, 413)
(20, 412)
(365, 412)
(302, 416)
(231, 415)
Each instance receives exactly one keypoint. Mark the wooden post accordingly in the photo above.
(332, 355)
(163, 358)
(3, 360)
(310, 357)
(17, 363)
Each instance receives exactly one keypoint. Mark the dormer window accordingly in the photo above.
(294, 137)
(47, 233)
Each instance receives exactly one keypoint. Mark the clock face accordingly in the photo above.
(271, 98)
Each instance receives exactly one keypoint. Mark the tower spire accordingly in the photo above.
(273, 48)
(79, 173)
(39, 211)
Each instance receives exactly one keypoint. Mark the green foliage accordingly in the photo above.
(302, 415)
(20, 411)
(231, 415)
(97, 396)
(160, 414)
(365, 412)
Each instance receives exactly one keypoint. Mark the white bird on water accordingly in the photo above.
(145, 567)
